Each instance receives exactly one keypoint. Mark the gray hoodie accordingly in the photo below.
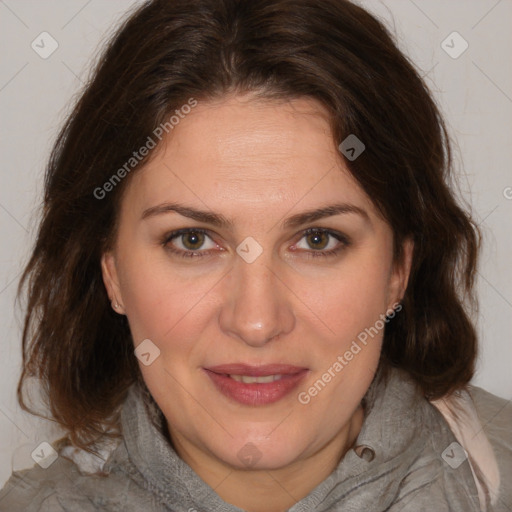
(403, 460)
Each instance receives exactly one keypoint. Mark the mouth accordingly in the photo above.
(255, 385)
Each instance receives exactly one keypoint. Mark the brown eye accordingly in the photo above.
(192, 240)
(318, 240)
(189, 242)
(322, 242)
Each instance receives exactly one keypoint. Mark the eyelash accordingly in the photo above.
(344, 242)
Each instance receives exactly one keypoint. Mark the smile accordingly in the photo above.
(255, 385)
(247, 379)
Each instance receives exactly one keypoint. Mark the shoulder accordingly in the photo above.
(482, 424)
(495, 415)
(38, 489)
(63, 487)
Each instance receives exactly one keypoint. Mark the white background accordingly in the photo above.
(474, 91)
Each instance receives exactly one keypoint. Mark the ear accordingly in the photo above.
(111, 281)
(400, 273)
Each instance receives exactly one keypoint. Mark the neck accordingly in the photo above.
(273, 490)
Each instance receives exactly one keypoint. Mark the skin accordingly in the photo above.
(257, 163)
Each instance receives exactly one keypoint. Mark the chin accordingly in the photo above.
(260, 452)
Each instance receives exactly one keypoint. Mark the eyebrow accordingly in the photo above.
(220, 221)
(215, 219)
(320, 213)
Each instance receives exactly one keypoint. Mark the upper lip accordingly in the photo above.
(256, 370)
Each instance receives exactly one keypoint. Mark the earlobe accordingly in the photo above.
(111, 281)
(407, 255)
(402, 270)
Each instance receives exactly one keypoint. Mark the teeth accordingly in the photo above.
(249, 379)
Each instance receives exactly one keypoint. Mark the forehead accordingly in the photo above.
(241, 152)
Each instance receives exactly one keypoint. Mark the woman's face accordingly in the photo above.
(282, 270)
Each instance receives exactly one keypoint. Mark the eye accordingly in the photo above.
(189, 242)
(322, 242)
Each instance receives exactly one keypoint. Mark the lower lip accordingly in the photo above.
(256, 393)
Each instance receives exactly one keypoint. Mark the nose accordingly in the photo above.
(256, 307)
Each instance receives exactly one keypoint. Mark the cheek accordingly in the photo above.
(346, 360)
(352, 299)
(159, 302)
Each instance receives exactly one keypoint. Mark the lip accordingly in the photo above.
(256, 393)
(256, 370)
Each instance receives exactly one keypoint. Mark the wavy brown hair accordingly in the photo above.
(168, 51)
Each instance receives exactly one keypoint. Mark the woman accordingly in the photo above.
(247, 288)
